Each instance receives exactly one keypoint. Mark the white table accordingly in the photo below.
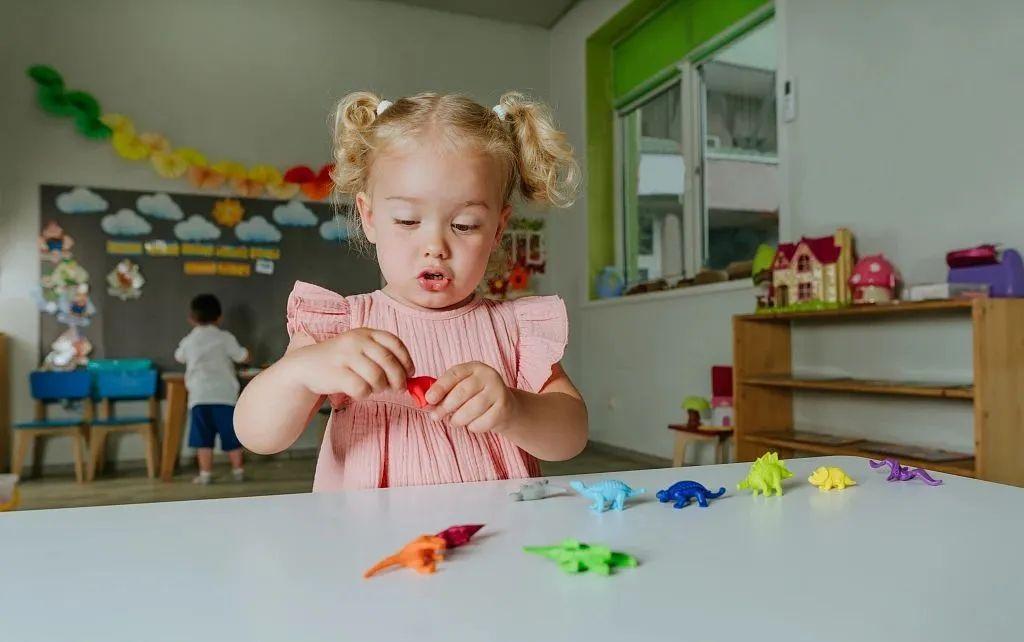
(879, 561)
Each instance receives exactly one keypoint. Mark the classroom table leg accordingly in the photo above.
(174, 419)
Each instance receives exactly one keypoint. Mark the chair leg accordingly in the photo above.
(679, 454)
(149, 440)
(720, 451)
(97, 445)
(77, 446)
(20, 452)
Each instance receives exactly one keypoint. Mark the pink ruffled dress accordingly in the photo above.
(385, 440)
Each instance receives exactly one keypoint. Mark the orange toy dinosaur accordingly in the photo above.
(421, 555)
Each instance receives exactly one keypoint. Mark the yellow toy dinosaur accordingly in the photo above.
(827, 478)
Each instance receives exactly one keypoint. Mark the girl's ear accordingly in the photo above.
(506, 214)
(366, 216)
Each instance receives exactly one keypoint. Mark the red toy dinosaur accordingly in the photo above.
(418, 387)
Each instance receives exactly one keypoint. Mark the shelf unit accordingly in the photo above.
(764, 385)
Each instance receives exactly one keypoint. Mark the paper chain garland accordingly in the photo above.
(168, 161)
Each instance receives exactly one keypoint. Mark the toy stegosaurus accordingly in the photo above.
(766, 475)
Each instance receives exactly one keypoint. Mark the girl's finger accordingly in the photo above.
(443, 386)
(472, 410)
(485, 422)
(397, 348)
(389, 363)
(370, 372)
(460, 394)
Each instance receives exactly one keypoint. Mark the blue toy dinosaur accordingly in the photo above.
(605, 491)
(685, 491)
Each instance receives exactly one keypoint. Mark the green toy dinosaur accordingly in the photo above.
(766, 475)
(576, 557)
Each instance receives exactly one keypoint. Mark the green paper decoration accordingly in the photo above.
(79, 105)
(46, 76)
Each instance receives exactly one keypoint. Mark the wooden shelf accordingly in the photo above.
(765, 384)
(863, 386)
(963, 467)
(881, 309)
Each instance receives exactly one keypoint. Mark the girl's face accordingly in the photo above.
(435, 217)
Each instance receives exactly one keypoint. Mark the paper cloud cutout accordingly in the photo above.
(294, 213)
(125, 223)
(81, 200)
(159, 206)
(257, 230)
(335, 229)
(196, 228)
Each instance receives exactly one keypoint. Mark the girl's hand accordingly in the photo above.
(475, 396)
(357, 363)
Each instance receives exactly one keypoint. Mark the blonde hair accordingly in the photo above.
(537, 162)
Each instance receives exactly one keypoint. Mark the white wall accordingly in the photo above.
(252, 81)
(905, 133)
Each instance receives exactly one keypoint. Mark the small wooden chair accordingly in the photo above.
(685, 434)
(113, 386)
(48, 388)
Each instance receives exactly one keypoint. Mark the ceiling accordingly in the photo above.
(540, 13)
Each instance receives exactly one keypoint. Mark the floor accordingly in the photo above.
(267, 476)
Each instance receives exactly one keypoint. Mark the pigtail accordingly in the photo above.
(353, 119)
(545, 166)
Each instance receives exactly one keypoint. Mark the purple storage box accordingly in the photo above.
(1005, 279)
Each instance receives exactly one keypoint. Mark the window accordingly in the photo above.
(805, 291)
(652, 180)
(803, 264)
(678, 217)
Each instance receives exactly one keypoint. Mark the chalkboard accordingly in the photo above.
(308, 249)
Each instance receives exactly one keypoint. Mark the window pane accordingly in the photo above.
(652, 182)
(740, 148)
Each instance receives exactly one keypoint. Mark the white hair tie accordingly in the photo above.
(500, 111)
(383, 105)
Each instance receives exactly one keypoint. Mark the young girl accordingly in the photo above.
(433, 179)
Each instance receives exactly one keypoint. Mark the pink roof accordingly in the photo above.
(874, 270)
(823, 248)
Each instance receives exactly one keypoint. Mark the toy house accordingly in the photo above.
(813, 273)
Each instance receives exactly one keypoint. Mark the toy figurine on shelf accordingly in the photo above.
(523, 239)
(1004, 275)
(695, 408)
(811, 274)
(874, 280)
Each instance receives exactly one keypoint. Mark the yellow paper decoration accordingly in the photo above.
(127, 145)
(264, 174)
(193, 157)
(155, 142)
(169, 165)
(282, 190)
(230, 169)
(118, 123)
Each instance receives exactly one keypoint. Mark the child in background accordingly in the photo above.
(210, 355)
(433, 178)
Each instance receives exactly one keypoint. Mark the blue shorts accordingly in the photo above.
(213, 419)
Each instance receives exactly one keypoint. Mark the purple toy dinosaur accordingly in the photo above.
(903, 473)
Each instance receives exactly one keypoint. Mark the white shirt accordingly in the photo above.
(209, 355)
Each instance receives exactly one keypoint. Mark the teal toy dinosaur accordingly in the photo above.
(766, 475)
(576, 557)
